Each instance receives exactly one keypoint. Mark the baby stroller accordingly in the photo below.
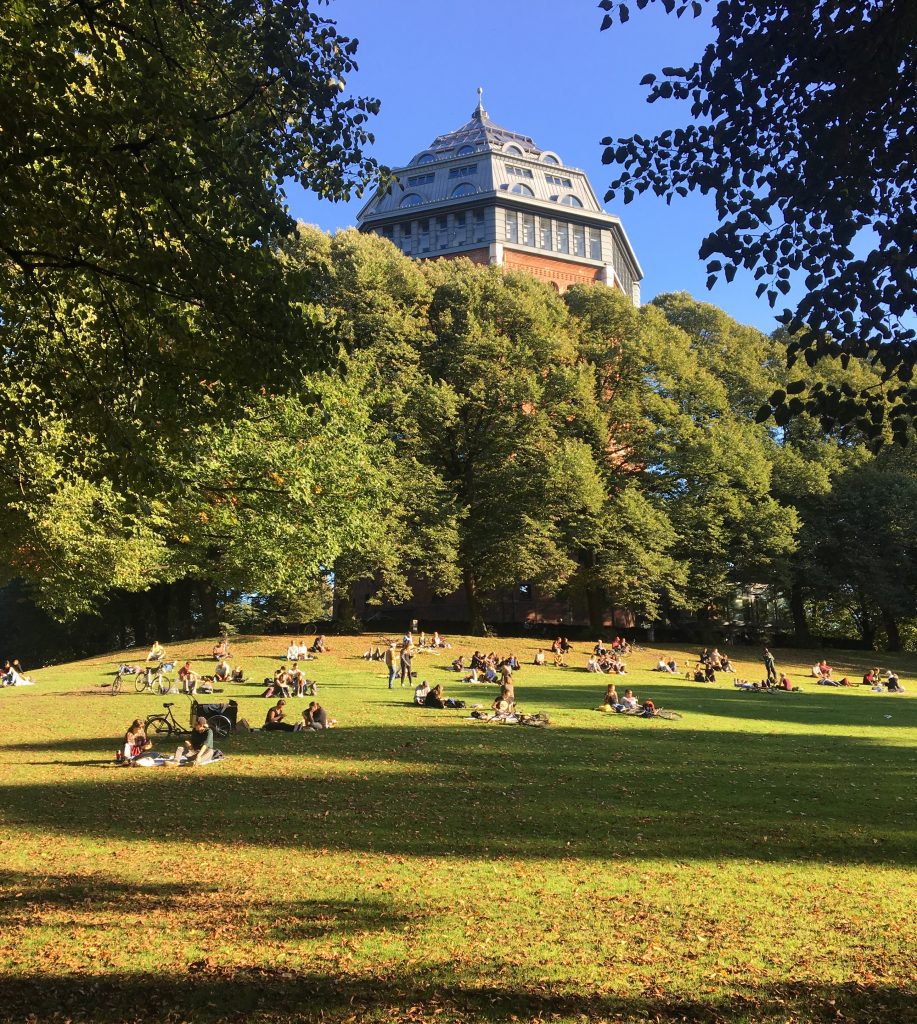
(220, 717)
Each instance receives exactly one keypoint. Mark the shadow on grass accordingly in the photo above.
(637, 789)
(285, 992)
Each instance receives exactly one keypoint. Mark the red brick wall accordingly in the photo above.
(563, 274)
(481, 256)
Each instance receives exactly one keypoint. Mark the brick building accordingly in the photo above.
(493, 196)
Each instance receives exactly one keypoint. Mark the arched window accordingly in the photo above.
(411, 199)
(550, 158)
(513, 150)
(465, 189)
(464, 150)
(426, 158)
(571, 201)
(522, 190)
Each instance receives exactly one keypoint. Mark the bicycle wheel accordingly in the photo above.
(220, 725)
(116, 686)
(672, 716)
(158, 725)
(164, 685)
(140, 683)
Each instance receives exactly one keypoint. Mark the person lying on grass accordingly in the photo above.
(274, 720)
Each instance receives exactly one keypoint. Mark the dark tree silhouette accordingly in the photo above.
(804, 129)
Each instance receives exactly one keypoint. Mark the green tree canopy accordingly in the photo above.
(802, 121)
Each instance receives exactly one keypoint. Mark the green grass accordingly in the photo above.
(753, 862)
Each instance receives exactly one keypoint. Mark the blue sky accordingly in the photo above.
(547, 71)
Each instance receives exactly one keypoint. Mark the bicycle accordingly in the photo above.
(666, 713)
(165, 725)
(150, 682)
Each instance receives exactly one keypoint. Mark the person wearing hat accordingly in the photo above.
(198, 748)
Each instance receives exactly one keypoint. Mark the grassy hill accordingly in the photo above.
(752, 862)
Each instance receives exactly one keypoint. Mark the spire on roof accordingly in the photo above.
(479, 112)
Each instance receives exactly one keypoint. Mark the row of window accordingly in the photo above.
(467, 189)
(553, 235)
(511, 150)
(431, 234)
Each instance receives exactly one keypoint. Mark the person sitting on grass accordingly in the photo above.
(539, 658)
(198, 749)
(420, 692)
(459, 664)
(709, 673)
(157, 652)
(592, 665)
(297, 680)
(628, 701)
(783, 683)
(891, 682)
(870, 677)
(223, 671)
(135, 741)
(274, 720)
(319, 646)
(662, 666)
(221, 650)
(435, 698)
(611, 701)
(188, 678)
(316, 717)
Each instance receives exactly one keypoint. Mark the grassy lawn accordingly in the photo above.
(752, 862)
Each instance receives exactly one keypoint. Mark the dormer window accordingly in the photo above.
(465, 151)
(522, 190)
(571, 200)
(411, 199)
(512, 150)
(465, 189)
(426, 158)
(550, 158)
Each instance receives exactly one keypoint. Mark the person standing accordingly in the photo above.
(391, 665)
(407, 660)
(770, 666)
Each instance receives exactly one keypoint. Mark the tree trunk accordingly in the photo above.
(345, 613)
(207, 599)
(595, 601)
(138, 618)
(867, 630)
(475, 611)
(892, 635)
(798, 611)
(161, 599)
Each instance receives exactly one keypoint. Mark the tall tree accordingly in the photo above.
(145, 148)
(801, 127)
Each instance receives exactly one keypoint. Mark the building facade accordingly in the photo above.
(494, 197)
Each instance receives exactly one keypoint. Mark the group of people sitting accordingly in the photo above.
(628, 704)
(289, 682)
(669, 665)
(313, 717)
(486, 668)
(192, 682)
(298, 650)
(197, 749)
(872, 678)
(13, 675)
(608, 661)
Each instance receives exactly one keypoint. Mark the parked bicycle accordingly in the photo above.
(220, 717)
(153, 680)
(165, 725)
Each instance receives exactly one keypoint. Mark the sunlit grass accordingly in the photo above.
(751, 862)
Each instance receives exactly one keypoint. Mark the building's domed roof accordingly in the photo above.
(479, 131)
